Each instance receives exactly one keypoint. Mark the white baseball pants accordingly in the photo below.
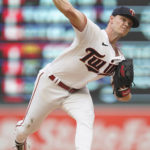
(48, 96)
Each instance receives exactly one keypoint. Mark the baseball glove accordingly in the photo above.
(123, 78)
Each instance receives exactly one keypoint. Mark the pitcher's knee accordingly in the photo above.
(86, 120)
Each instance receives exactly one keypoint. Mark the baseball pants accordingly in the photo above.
(48, 96)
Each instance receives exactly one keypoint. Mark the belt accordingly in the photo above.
(62, 85)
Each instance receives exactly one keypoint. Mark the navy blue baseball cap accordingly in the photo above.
(127, 12)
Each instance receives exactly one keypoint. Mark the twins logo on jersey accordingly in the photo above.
(93, 61)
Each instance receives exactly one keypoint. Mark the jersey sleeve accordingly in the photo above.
(90, 30)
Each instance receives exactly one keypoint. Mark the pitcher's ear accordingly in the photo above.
(111, 19)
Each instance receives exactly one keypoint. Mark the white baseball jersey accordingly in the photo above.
(90, 57)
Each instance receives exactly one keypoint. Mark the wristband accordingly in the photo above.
(123, 92)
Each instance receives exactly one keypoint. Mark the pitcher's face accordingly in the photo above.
(121, 25)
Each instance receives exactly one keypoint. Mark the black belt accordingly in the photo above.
(62, 85)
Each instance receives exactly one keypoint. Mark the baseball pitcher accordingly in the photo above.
(92, 55)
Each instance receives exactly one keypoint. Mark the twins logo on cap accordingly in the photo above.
(132, 12)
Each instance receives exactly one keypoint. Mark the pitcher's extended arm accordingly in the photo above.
(76, 18)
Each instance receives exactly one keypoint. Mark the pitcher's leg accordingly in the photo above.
(84, 134)
(80, 106)
(32, 121)
(38, 109)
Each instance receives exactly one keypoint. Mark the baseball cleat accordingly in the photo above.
(21, 146)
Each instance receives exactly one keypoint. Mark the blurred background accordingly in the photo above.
(33, 33)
